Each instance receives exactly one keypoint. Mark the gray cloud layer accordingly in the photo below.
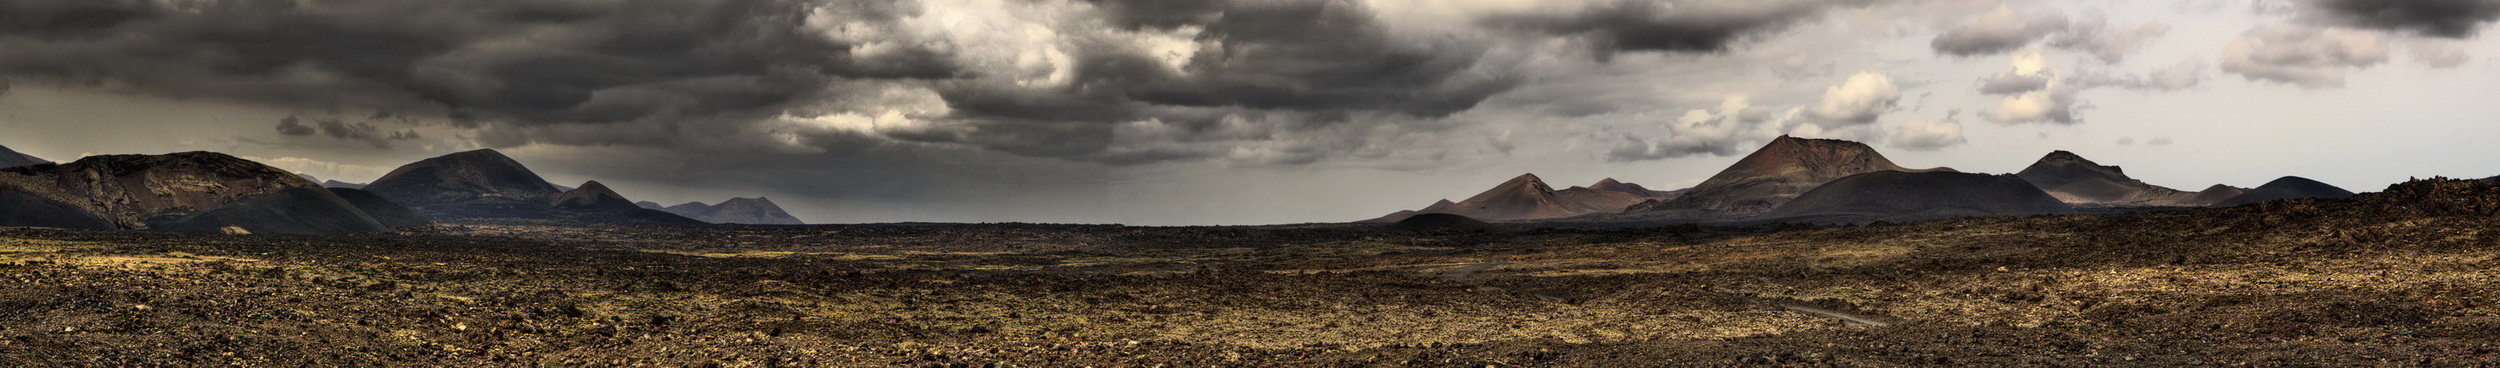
(2436, 18)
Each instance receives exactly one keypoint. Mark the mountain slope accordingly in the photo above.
(1781, 170)
(10, 158)
(388, 213)
(190, 191)
(1908, 196)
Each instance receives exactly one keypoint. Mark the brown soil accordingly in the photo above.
(2397, 278)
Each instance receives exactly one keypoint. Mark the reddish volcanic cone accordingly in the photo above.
(1778, 172)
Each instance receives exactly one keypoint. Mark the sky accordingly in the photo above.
(1202, 112)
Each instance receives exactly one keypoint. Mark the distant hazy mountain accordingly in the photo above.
(341, 184)
(2079, 181)
(1909, 196)
(754, 211)
(2285, 188)
(192, 191)
(10, 158)
(1781, 170)
(1527, 197)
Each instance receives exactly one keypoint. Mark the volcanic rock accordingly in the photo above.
(1780, 171)
(1911, 196)
(185, 191)
(2288, 187)
(473, 184)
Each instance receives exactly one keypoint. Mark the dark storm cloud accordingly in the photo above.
(1298, 64)
(522, 61)
(1670, 26)
(338, 128)
(1160, 14)
(661, 72)
(294, 126)
(2437, 18)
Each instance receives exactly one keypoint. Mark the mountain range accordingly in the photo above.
(1835, 181)
(1527, 197)
(751, 211)
(485, 184)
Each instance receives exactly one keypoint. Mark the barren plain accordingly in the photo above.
(2399, 278)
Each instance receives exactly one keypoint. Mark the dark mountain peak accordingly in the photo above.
(2296, 182)
(2060, 167)
(1527, 185)
(10, 158)
(593, 195)
(1781, 170)
(2287, 187)
(480, 183)
(2063, 155)
(1616, 186)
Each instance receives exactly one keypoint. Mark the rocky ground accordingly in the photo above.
(2401, 278)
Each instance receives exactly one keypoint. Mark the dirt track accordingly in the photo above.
(2400, 278)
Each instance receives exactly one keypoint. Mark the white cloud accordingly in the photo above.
(2440, 54)
(1860, 100)
(1921, 135)
(2306, 57)
(1730, 129)
(2053, 101)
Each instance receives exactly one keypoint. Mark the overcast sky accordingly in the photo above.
(1173, 112)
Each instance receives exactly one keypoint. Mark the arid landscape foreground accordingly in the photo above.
(2400, 277)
